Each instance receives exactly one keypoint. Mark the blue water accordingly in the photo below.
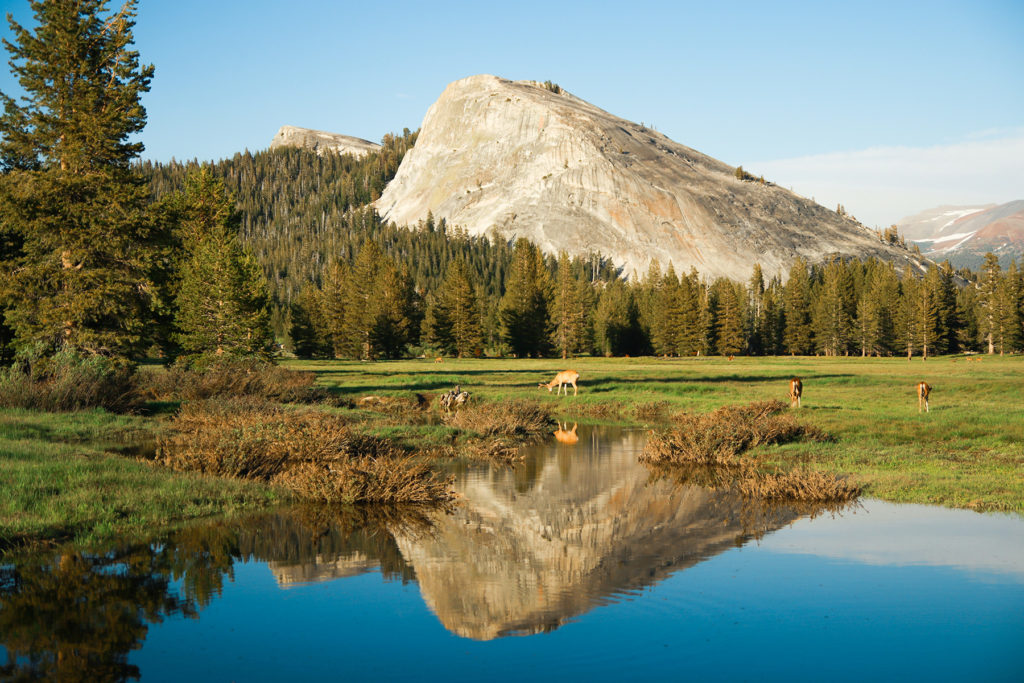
(584, 568)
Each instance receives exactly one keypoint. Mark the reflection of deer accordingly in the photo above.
(923, 389)
(796, 390)
(564, 378)
(567, 437)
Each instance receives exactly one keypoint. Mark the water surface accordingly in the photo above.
(577, 563)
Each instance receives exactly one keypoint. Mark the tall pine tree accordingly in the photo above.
(81, 279)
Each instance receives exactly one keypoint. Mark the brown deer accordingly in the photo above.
(567, 436)
(796, 390)
(564, 378)
(923, 389)
(439, 359)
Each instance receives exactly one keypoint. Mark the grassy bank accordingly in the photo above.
(66, 477)
(71, 476)
(967, 452)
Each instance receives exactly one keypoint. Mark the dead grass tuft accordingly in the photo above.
(719, 437)
(518, 419)
(235, 378)
(706, 450)
(311, 453)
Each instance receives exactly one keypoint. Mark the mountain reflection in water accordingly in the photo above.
(526, 549)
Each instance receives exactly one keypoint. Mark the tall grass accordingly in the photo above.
(67, 382)
(234, 378)
(713, 449)
(313, 454)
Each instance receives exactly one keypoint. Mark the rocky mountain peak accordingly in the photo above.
(321, 141)
(529, 159)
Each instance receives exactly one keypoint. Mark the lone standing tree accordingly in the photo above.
(81, 278)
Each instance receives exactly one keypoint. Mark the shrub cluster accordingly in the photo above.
(718, 438)
(521, 419)
(67, 382)
(234, 378)
(311, 453)
(706, 450)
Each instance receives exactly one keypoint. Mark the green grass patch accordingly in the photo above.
(967, 452)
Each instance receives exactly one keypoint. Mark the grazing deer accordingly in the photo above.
(923, 389)
(439, 359)
(796, 390)
(564, 378)
(568, 437)
(731, 357)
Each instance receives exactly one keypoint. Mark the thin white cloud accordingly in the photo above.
(880, 185)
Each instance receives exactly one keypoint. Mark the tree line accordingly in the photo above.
(558, 307)
(103, 255)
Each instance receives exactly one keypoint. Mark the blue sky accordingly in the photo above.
(799, 91)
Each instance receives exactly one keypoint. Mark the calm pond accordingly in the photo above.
(578, 563)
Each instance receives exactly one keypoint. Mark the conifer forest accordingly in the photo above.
(282, 251)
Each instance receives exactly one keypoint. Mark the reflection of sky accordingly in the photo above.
(902, 535)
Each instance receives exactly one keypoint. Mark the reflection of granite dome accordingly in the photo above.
(591, 526)
(321, 569)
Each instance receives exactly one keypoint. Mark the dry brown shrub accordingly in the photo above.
(235, 378)
(311, 453)
(720, 437)
(519, 419)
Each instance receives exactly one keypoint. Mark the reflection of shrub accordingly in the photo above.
(67, 382)
(311, 453)
(235, 378)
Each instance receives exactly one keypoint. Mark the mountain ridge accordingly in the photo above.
(523, 159)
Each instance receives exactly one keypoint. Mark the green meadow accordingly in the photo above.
(78, 476)
(967, 452)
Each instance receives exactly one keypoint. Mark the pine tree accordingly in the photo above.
(568, 316)
(796, 302)
(308, 326)
(616, 321)
(457, 325)
(222, 298)
(728, 318)
(990, 302)
(833, 309)
(525, 305)
(906, 314)
(83, 277)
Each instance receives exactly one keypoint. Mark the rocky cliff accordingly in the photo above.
(518, 159)
(320, 141)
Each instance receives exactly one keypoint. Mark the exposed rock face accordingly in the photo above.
(964, 234)
(515, 159)
(320, 141)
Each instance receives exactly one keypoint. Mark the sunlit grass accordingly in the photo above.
(967, 452)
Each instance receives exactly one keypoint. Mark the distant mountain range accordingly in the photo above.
(964, 234)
